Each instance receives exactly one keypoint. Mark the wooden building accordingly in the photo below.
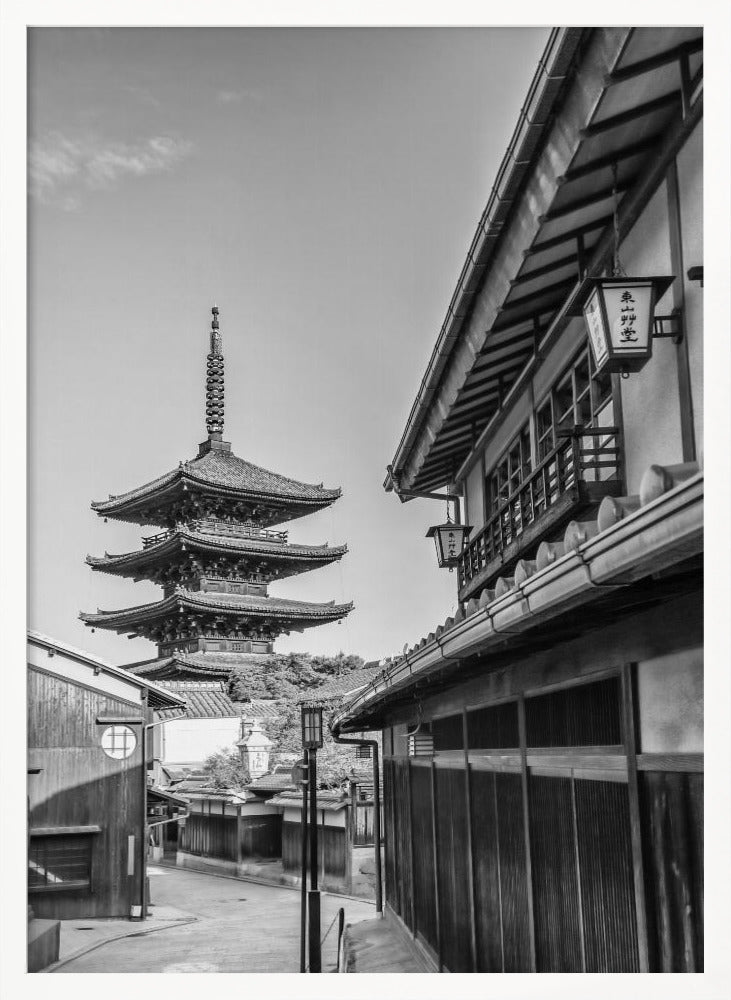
(543, 747)
(87, 789)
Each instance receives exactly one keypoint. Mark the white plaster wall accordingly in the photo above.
(191, 741)
(475, 500)
(650, 398)
(690, 186)
(670, 695)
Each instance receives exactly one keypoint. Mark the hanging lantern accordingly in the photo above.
(449, 540)
(311, 727)
(619, 313)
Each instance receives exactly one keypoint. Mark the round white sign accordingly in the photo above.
(118, 742)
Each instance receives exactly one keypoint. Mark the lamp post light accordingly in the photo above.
(311, 742)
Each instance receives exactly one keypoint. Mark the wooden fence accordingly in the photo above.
(231, 838)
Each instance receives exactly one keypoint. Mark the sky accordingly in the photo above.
(321, 186)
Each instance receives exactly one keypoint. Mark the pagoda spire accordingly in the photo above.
(214, 382)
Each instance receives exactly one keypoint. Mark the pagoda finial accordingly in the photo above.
(214, 382)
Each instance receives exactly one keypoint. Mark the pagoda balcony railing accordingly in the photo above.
(574, 474)
(246, 529)
(212, 526)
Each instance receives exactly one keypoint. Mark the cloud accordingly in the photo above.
(237, 96)
(58, 166)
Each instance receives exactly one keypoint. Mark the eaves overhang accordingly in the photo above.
(548, 221)
(662, 534)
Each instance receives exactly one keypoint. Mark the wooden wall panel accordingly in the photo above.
(672, 810)
(402, 843)
(513, 879)
(388, 823)
(454, 909)
(332, 849)
(486, 862)
(607, 887)
(424, 897)
(555, 882)
(80, 786)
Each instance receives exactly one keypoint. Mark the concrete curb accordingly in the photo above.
(134, 932)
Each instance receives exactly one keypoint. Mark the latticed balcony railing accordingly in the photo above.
(573, 474)
(212, 526)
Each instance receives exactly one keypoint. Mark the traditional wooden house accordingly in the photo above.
(543, 747)
(216, 555)
(88, 788)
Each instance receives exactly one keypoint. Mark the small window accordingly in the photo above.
(447, 733)
(59, 862)
(584, 715)
(493, 728)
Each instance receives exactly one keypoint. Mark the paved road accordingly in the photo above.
(240, 927)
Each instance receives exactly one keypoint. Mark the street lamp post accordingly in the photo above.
(312, 741)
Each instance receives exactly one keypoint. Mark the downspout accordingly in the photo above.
(355, 742)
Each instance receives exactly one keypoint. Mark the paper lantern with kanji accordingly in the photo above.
(619, 314)
(449, 540)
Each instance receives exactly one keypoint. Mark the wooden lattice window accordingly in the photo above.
(511, 469)
(59, 862)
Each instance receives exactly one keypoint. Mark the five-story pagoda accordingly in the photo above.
(216, 555)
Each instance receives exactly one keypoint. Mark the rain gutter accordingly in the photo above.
(651, 539)
(534, 118)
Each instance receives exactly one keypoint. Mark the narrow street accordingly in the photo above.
(239, 927)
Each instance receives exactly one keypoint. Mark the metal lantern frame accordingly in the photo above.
(312, 734)
(449, 539)
(593, 301)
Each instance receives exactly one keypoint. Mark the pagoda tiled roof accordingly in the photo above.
(223, 472)
(208, 664)
(213, 542)
(199, 600)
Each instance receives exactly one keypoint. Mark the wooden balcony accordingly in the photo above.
(212, 526)
(584, 467)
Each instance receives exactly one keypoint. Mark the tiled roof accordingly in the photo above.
(200, 665)
(340, 687)
(274, 607)
(205, 541)
(205, 699)
(327, 801)
(262, 708)
(226, 471)
(276, 782)
(551, 559)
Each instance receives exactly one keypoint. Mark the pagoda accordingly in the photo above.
(216, 555)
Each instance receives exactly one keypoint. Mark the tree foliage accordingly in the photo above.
(227, 770)
(287, 678)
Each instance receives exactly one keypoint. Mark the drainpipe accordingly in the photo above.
(373, 744)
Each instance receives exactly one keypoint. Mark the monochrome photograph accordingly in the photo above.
(365, 499)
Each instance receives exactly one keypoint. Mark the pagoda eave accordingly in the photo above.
(288, 559)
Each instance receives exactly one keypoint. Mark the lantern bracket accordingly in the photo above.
(669, 326)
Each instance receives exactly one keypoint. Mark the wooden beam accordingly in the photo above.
(436, 861)
(568, 236)
(654, 62)
(581, 203)
(470, 849)
(526, 833)
(629, 728)
(602, 162)
(670, 100)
